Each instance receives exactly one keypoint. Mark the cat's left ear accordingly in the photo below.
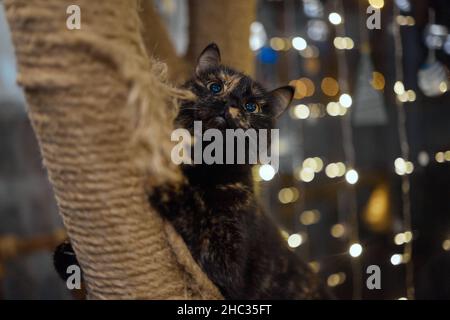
(209, 58)
(281, 98)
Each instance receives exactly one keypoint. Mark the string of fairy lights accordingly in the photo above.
(406, 257)
(340, 106)
(355, 248)
(312, 166)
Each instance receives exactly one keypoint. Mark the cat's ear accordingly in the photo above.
(209, 58)
(281, 98)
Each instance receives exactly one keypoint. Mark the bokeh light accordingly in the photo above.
(295, 240)
(329, 86)
(378, 82)
(352, 176)
(345, 100)
(266, 172)
(355, 250)
(335, 18)
(299, 43)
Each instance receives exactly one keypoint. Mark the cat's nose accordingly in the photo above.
(233, 111)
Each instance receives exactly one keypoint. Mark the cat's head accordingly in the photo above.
(228, 99)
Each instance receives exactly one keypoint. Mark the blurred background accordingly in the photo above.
(364, 173)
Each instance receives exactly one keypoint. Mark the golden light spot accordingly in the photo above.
(399, 239)
(409, 167)
(343, 43)
(403, 237)
(255, 173)
(287, 44)
(316, 164)
(342, 110)
(300, 111)
(411, 95)
(339, 43)
(341, 169)
(377, 4)
(331, 170)
(333, 109)
(310, 88)
(336, 279)
(349, 44)
(399, 88)
(446, 245)
(405, 20)
(306, 174)
(410, 21)
(288, 195)
(319, 164)
(315, 266)
(403, 97)
(401, 20)
(329, 86)
(277, 44)
(300, 89)
(377, 211)
(284, 234)
(447, 155)
(440, 157)
(337, 230)
(310, 217)
(408, 236)
(378, 82)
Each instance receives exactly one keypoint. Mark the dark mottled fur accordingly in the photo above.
(215, 210)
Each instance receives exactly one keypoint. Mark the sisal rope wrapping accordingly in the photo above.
(101, 111)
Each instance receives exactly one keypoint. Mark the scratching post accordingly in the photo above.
(102, 113)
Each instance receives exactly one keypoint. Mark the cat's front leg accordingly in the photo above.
(222, 250)
(212, 226)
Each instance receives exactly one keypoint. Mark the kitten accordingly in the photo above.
(215, 209)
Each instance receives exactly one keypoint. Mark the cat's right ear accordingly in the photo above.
(209, 58)
(281, 98)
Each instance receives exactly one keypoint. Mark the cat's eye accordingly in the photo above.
(215, 87)
(251, 107)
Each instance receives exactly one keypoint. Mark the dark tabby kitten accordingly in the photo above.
(215, 210)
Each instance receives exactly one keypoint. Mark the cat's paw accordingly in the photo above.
(63, 257)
